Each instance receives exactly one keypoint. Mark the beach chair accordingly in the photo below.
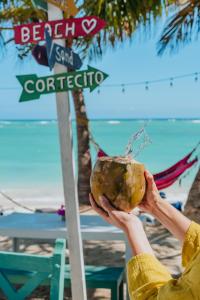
(102, 277)
(33, 270)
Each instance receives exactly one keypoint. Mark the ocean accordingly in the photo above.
(30, 168)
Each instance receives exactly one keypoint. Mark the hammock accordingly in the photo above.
(167, 177)
(180, 163)
(172, 177)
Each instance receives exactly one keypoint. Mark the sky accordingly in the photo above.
(137, 61)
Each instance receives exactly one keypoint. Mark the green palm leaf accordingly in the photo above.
(123, 18)
(182, 28)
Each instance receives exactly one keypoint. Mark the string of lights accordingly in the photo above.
(146, 83)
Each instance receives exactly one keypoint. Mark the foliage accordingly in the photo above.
(182, 28)
(123, 18)
(15, 12)
(18, 12)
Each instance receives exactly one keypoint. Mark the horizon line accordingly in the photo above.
(107, 119)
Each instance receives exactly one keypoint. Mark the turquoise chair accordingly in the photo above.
(31, 271)
(35, 269)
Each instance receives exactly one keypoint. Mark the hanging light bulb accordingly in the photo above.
(196, 77)
(171, 82)
(146, 85)
(123, 88)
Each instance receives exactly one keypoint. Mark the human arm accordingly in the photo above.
(163, 211)
(147, 278)
(180, 226)
(128, 222)
(144, 272)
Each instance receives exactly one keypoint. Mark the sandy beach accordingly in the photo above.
(166, 247)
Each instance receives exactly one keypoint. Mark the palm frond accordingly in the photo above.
(123, 18)
(181, 29)
(12, 13)
(22, 14)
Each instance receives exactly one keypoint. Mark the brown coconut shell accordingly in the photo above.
(120, 179)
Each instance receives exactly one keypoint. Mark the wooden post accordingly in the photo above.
(69, 183)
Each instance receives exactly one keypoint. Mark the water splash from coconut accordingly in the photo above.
(143, 138)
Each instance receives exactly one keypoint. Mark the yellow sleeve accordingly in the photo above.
(145, 276)
(148, 279)
(191, 243)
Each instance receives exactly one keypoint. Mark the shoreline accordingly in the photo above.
(51, 196)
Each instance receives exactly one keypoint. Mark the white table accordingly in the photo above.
(49, 226)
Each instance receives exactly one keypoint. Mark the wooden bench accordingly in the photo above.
(31, 272)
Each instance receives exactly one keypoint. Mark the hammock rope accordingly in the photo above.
(16, 203)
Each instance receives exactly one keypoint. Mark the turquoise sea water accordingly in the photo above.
(30, 157)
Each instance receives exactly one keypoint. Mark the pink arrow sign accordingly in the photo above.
(67, 28)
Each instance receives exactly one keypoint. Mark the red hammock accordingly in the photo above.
(166, 184)
(168, 177)
(180, 163)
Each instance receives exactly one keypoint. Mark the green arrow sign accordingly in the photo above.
(34, 86)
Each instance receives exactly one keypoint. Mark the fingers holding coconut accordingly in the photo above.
(151, 194)
(103, 213)
(106, 204)
(113, 216)
(150, 180)
(99, 210)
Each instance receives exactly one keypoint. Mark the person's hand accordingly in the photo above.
(151, 195)
(120, 219)
(128, 222)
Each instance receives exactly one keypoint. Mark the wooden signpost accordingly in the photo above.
(60, 83)
(67, 6)
(34, 86)
(78, 284)
(58, 29)
(61, 55)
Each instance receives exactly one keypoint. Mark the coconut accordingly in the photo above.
(120, 179)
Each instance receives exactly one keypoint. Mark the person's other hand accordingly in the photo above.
(151, 195)
(120, 219)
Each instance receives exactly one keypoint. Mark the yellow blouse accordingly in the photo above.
(148, 279)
